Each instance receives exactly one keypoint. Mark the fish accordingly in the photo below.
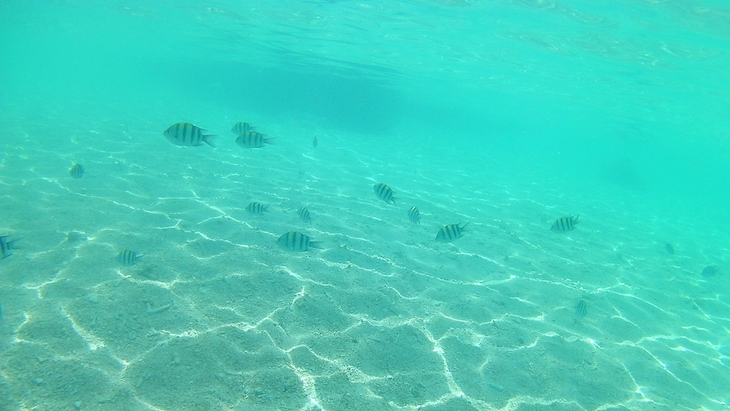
(314, 142)
(384, 192)
(128, 258)
(414, 215)
(669, 248)
(253, 139)
(186, 134)
(1, 313)
(451, 232)
(581, 309)
(77, 171)
(304, 214)
(565, 223)
(257, 208)
(241, 127)
(709, 271)
(6, 245)
(296, 241)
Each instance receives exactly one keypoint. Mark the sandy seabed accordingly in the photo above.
(217, 316)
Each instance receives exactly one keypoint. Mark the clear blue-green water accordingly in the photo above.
(505, 114)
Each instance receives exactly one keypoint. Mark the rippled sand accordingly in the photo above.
(216, 316)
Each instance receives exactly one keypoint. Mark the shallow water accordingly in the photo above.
(507, 115)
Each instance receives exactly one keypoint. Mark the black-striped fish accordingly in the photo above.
(128, 257)
(77, 171)
(565, 223)
(186, 134)
(256, 208)
(669, 248)
(414, 215)
(241, 127)
(451, 232)
(304, 214)
(6, 245)
(295, 241)
(709, 271)
(384, 192)
(314, 142)
(581, 309)
(253, 139)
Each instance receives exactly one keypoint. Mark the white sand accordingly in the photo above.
(216, 316)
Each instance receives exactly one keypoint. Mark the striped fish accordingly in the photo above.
(414, 215)
(128, 257)
(565, 223)
(669, 248)
(384, 192)
(709, 271)
(450, 232)
(77, 171)
(186, 134)
(257, 208)
(581, 309)
(304, 214)
(253, 139)
(295, 241)
(7, 245)
(241, 127)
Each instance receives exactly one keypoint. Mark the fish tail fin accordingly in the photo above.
(14, 244)
(575, 220)
(210, 140)
(269, 140)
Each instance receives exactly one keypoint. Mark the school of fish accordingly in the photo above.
(187, 134)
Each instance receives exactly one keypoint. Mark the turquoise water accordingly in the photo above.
(504, 114)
